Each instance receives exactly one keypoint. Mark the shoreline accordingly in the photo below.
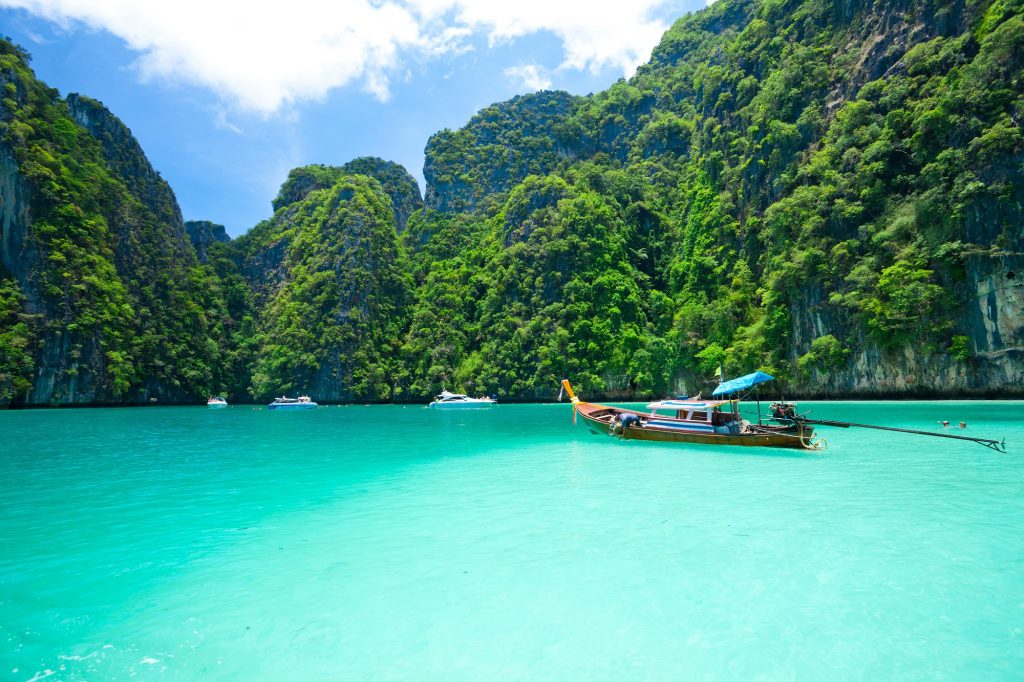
(510, 401)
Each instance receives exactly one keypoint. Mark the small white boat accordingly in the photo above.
(446, 399)
(301, 403)
(216, 401)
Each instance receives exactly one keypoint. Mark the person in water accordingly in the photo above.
(945, 423)
(963, 425)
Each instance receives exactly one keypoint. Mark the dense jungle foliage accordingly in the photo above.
(786, 186)
(337, 322)
(107, 276)
(853, 156)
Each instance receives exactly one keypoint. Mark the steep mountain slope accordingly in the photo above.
(399, 185)
(107, 301)
(470, 168)
(203, 234)
(827, 191)
(830, 192)
(331, 313)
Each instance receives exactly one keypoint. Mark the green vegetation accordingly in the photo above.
(16, 340)
(115, 283)
(337, 325)
(787, 185)
(472, 168)
(771, 156)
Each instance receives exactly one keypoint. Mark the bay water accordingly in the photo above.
(402, 543)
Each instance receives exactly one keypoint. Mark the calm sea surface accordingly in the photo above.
(402, 543)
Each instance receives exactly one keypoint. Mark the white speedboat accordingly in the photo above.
(446, 399)
(216, 401)
(301, 403)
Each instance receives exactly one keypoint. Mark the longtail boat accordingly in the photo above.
(714, 422)
(718, 422)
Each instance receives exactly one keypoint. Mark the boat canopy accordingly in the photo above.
(742, 383)
(448, 395)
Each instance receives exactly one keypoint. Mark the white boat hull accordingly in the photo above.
(461, 405)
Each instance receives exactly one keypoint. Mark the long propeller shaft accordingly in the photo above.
(998, 446)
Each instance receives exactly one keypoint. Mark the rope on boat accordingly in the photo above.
(809, 443)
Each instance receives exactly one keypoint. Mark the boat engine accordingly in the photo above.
(783, 411)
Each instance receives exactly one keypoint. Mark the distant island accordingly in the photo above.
(832, 193)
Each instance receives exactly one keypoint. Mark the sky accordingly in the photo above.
(227, 96)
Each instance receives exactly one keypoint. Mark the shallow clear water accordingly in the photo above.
(404, 543)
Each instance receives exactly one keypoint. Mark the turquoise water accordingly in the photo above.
(402, 543)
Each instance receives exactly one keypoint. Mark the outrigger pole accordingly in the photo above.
(998, 446)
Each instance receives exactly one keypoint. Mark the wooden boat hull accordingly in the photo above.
(598, 420)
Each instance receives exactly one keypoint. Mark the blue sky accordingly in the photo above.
(226, 102)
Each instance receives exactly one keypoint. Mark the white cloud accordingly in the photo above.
(595, 33)
(530, 77)
(221, 121)
(261, 56)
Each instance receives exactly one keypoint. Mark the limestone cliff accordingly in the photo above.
(203, 233)
(830, 192)
(468, 168)
(331, 317)
(117, 307)
(399, 185)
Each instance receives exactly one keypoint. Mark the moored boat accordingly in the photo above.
(446, 399)
(713, 422)
(301, 403)
(216, 401)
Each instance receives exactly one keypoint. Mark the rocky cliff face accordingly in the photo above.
(20, 317)
(203, 233)
(473, 167)
(127, 161)
(827, 191)
(56, 376)
(18, 252)
(263, 251)
(94, 240)
(396, 181)
(993, 322)
(332, 324)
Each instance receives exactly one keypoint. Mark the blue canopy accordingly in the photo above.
(741, 383)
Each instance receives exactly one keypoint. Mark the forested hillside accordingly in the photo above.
(101, 296)
(331, 284)
(828, 191)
